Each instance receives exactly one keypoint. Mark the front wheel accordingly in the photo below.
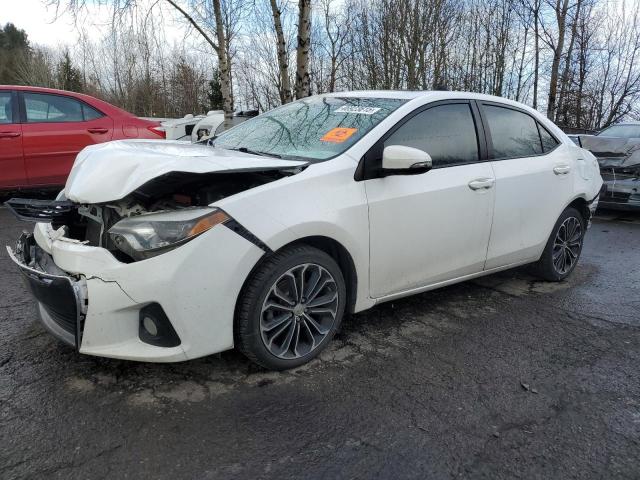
(563, 248)
(290, 308)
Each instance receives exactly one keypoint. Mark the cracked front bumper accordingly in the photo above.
(61, 298)
(196, 284)
(620, 191)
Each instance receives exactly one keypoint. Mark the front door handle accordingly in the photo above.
(561, 169)
(97, 130)
(9, 134)
(481, 183)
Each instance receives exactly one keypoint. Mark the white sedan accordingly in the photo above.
(267, 237)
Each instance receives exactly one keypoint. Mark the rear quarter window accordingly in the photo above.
(548, 141)
(90, 113)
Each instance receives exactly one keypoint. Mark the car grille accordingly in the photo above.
(56, 212)
(611, 174)
(620, 197)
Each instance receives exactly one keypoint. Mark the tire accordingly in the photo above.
(563, 249)
(276, 325)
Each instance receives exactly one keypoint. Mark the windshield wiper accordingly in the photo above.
(255, 152)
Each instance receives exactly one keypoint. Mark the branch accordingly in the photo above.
(190, 19)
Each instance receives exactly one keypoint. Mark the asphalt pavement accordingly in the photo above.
(502, 377)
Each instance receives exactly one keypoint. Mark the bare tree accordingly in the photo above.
(336, 27)
(579, 58)
(565, 78)
(303, 80)
(556, 44)
(283, 54)
(220, 45)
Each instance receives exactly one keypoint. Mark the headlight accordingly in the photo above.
(145, 236)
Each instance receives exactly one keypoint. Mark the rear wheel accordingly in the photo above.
(563, 248)
(290, 308)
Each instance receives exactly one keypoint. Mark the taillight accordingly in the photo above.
(158, 131)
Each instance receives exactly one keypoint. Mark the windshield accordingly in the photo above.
(315, 128)
(621, 131)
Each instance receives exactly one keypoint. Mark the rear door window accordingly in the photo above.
(513, 133)
(42, 107)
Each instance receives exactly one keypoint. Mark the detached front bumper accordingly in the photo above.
(61, 298)
(193, 287)
(621, 191)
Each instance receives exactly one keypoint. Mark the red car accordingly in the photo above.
(42, 130)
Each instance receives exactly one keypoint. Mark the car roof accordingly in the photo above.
(419, 97)
(431, 95)
(630, 124)
(45, 90)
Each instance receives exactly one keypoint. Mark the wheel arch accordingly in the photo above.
(343, 258)
(331, 247)
(580, 204)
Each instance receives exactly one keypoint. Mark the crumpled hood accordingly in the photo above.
(110, 171)
(613, 152)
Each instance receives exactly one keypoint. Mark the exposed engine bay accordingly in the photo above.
(174, 191)
(619, 160)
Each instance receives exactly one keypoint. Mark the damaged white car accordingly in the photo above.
(268, 236)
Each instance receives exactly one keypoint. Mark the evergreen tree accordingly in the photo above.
(69, 77)
(214, 94)
(14, 50)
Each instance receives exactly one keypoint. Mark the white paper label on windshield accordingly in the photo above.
(357, 110)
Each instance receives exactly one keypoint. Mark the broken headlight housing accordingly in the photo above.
(148, 235)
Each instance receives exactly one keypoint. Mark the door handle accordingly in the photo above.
(561, 169)
(481, 183)
(9, 134)
(97, 130)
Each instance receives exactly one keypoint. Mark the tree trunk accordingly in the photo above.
(564, 79)
(333, 73)
(224, 66)
(303, 81)
(561, 18)
(536, 66)
(521, 66)
(283, 57)
(582, 69)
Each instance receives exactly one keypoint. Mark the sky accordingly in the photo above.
(43, 27)
(39, 22)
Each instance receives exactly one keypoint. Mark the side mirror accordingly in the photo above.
(400, 159)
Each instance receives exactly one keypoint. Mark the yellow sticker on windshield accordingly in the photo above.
(338, 135)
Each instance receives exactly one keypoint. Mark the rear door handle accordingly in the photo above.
(481, 183)
(561, 169)
(97, 130)
(9, 134)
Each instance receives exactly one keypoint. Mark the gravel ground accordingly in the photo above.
(503, 377)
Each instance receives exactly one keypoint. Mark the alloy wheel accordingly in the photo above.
(567, 245)
(299, 311)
